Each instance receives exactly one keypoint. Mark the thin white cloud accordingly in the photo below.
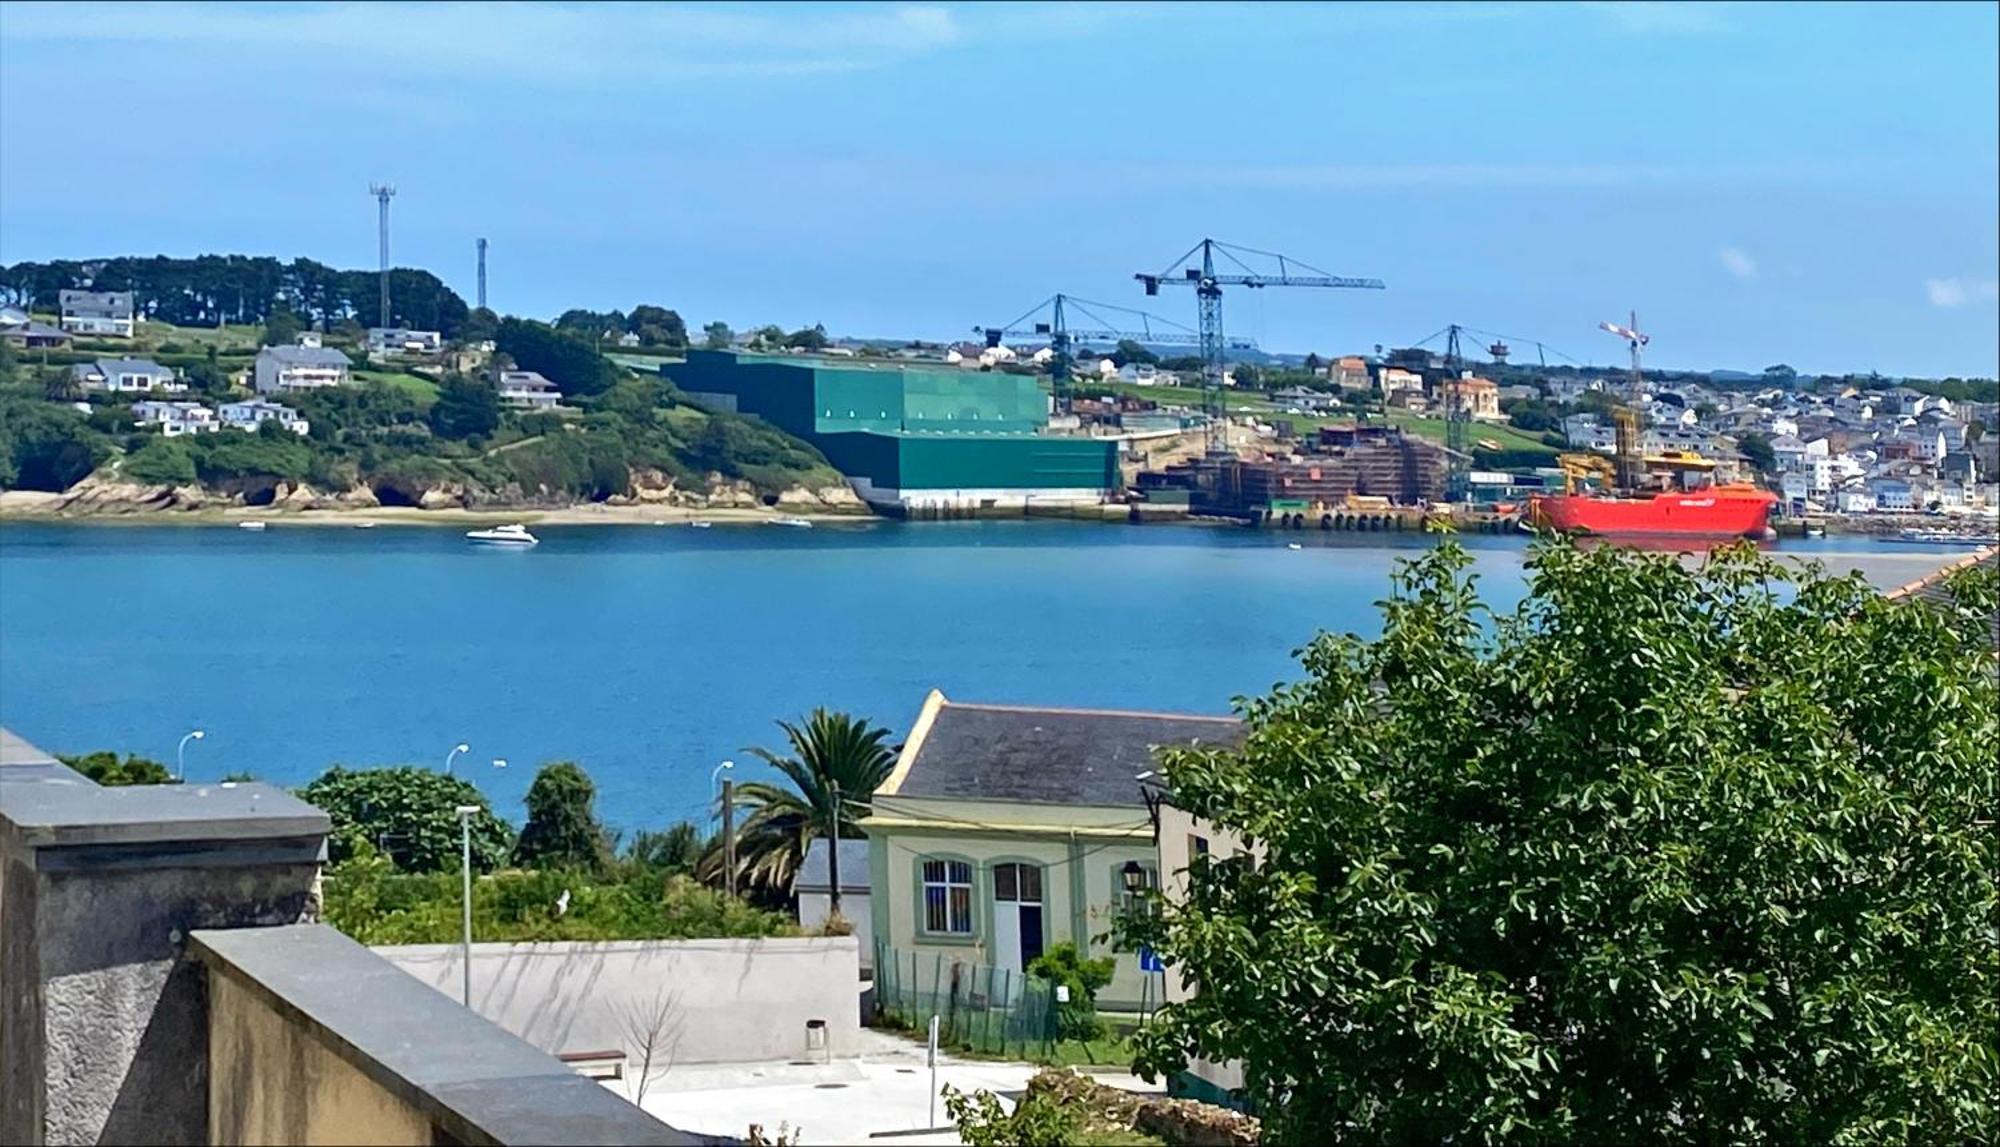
(1957, 292)
(1737, 262)
(521, 40)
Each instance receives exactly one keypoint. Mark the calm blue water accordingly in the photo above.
(647, 654)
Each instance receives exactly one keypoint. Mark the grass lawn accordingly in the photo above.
(422, 389)
(226, 337)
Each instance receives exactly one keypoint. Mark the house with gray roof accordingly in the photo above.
(282, 369)
(1005, 829)
(17, 327)
(103, 313)
(126, 376)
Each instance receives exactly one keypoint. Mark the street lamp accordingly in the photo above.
(465, 812)
(451, 756)
(728, 826)
(180, 754)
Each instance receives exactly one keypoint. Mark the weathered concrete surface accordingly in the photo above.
(272, 1082)
(103, 1024)
(738, 1000)
(469, 1081)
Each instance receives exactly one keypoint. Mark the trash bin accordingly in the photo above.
(816, 1039)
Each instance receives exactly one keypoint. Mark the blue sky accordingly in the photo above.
(1814, 185)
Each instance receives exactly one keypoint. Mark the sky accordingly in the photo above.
(1812, 185)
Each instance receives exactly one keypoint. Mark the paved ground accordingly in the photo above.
(884, 1094)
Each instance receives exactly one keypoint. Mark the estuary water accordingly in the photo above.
(647, 654)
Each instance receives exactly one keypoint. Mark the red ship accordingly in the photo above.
(1732, 510)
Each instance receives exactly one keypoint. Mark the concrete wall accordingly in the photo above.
(271, 1081)
(739, 1000)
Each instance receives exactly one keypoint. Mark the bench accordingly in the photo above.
(596, 1064)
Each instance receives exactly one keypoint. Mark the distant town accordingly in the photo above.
(476, 412)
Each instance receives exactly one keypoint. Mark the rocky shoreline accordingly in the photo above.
(655, 499)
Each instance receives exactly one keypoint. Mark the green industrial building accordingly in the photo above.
(911, 440)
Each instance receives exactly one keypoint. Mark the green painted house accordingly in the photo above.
(1005, 830)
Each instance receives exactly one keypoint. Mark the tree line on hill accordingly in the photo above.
(209, 290)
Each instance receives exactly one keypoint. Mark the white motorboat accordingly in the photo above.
(509, 535)
(250, 525)
(795, 523)
(701, 525)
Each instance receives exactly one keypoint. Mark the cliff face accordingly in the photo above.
(107, 493)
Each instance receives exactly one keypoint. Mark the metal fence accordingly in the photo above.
(980, 1008)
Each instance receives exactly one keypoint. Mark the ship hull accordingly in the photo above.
(1696, 514)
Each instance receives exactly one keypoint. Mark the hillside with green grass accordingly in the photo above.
(405, 432)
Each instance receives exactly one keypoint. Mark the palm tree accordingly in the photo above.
(829, 751)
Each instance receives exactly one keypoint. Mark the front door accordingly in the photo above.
(1017, 917)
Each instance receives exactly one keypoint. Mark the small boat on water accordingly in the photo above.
(701, 525)
(1943, 538)
(253, 525)
(795, 523)
(365, 525)
(509, 535)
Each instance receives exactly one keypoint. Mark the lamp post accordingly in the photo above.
(180, 754)
(461, 747)
(465, 812)
(728, 825)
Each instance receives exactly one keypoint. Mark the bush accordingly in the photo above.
(161, 461)
(1064, 966)
(107, 769)
(405, 813)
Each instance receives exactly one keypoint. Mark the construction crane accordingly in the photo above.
(1630, 448)
(1197, 269)
(1063, 338)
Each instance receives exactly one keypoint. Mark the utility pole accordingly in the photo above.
(729, 836)
(465, 812)
(833, 853)
(383, 192)
(482, 274)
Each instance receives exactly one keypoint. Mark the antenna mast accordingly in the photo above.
(482, 274)
(383, 192)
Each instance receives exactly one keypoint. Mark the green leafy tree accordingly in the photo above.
(826, 750)
(561, 356)
(657, 326)
(407, 815)
(1313, 364)
(281, 328)
(1685, 852)
(107, 768)
(562, 829)
(717, 336)
(1129, 352)
(677, 849)
(61, 385)
(481, 325)
(10, 361)
(808, 338)
(465, 408)
(1756, 448)
(1064, 966)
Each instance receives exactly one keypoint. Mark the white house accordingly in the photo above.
(175, 418)
(527, 390)
(126, 376)
(1789, 452)
(814, 888)
(285, 368)
(1782, 426)
(256, 412)
(97, 312)
(1858, 500)
(1139, 373)
(400, 340)
(1892, 494)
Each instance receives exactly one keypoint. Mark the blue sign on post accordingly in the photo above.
(1149, 960)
